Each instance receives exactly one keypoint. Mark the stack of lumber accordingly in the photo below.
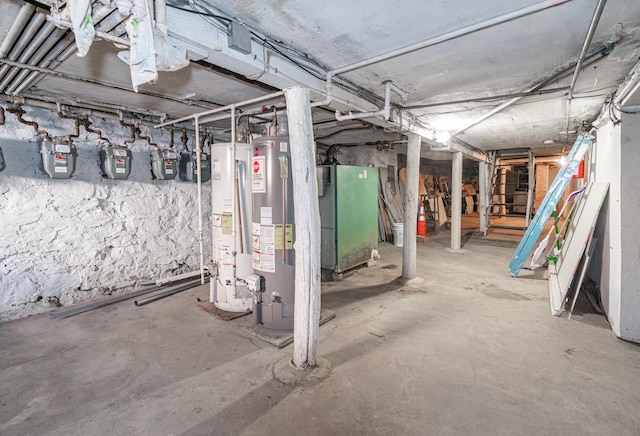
(391, 198)
(390, 202)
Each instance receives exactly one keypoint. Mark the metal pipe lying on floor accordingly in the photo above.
(175, 290)
(178, 277)
(98, 304)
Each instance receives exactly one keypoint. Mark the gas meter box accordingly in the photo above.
(164, 164)
(58, 159)
(188, 164)
(3, 164)
(116, 162)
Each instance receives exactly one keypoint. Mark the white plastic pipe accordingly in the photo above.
(221, 109)
(199, 178)
(385, 113)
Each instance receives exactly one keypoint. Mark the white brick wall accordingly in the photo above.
(73, 240)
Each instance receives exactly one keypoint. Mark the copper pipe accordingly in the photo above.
(19, 112)
(146, 138)
(135, 130)
(86, 123)
(184, 140)
(70, 117)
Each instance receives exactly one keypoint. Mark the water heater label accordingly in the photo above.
(216, 170)
(266, 216)
(258, 179)
(227, 223)
(283, 147)
(227, 204)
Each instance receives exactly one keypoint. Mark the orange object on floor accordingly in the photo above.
(422, 221)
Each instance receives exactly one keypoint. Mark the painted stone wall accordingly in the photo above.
(67, 241)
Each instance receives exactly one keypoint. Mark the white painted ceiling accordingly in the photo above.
(304, 39)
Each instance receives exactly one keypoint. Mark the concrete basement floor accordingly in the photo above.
(470, 351)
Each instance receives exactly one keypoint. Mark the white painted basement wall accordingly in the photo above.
(67, 241)
(368, 155)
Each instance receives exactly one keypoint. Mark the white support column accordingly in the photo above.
(411, 207)
(456, 200)
(483, 195)
(307, 229)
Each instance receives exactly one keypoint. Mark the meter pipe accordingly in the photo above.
(19, 112)
(199, 177)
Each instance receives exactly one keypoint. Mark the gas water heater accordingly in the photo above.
(273, 232)
(231, 227)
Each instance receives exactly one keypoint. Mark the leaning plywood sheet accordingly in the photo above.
(442, 212)
(580, 231)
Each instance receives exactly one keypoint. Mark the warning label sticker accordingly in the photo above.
(264, 255)
(258, 176)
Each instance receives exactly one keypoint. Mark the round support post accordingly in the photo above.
(306, 318)
(411, 208)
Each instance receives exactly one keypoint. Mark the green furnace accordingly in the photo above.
(348, 198)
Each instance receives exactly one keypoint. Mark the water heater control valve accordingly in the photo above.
(254, 283)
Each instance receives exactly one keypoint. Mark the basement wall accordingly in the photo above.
(69, 241)
(369, 155)
(614, 267)
(605, 265)
(630, 205)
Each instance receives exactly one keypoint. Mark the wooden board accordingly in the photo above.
(580, 231)
(548, 205)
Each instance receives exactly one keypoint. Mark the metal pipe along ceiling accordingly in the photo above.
(16, 28)
(44, 45)
(504, 18)
(587, 42)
